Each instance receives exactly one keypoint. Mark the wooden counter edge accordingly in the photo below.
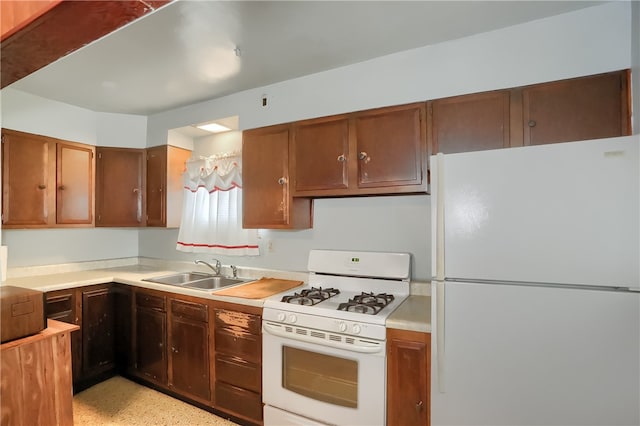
(53, 328)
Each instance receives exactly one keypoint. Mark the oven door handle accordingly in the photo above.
(358, 345)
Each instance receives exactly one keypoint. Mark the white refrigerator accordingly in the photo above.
(536, 293)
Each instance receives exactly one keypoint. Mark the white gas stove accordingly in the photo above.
(348, 292)
(325, 343)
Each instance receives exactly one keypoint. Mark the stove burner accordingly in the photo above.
(311, 296)
(367, 303)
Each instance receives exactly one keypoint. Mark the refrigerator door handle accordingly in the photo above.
(439, 270)
(440, 336)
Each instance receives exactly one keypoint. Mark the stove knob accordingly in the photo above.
(293, 318)
(356, 329)
(281, 316)
(342, 327)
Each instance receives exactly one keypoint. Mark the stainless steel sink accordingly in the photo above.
(179, 278)
(213, 283)
(196, 280)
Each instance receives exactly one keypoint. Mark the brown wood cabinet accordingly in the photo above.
(150, 336)
(98, 331)
(36, 378)
(92, 308)
(266, 193)
(408, 378)
(380, 151)
(165, 166)
(189, 348)
(583, 108)
(575, 109)
(470, 122)
(238, 360)
(120, 185)
(46, 182)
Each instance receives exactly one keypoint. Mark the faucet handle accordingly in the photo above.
(234, 269)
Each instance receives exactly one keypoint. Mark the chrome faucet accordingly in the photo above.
(215, 269)
(234, 270)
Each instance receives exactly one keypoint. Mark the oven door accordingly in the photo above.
(330, 378)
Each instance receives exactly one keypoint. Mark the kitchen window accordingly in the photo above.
(212, 208)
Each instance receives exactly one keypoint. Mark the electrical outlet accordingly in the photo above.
(270, 248)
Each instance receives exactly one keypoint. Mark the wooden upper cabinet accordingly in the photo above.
(46, 182)
(120, 187)
(267, 200)
(320, 154)
(76, 181)
(380, 151)
(391, 149)
(165, 166)
(577, 109)
(473, 122)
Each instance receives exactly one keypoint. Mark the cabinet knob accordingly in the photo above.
(135, 190)
(62, 187)
(419, 406)
(342, 158)
(363, 155)
(42, 186)
(532, 123)
(282, 181)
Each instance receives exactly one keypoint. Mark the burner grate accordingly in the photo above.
(311, 296)
(367, 303)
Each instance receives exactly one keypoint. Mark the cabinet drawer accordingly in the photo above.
(150, 301)
(191, 310)
(238, 372)
(238, 343)
(241, 321)
(57, 304)
(231, 398)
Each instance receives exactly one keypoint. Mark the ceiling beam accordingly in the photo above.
(34, 38)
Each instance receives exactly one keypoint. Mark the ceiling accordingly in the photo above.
(191, 51)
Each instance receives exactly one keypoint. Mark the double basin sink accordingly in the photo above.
(196, 280)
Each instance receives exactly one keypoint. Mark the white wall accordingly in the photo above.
(588, 41)
(28, 113)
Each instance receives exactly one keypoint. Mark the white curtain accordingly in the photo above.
(212, 208)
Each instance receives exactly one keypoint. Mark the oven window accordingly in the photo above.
(321, 377)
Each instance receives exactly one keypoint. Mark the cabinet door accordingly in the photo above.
(119, 187)
(408, 378)
(391, 148)
(577, 109)
(470, 123)
(189, 354)
(123, 308)
(62, 305)
(320, 155)
(74, 200)
(151, 344)
(28, 170)
(156, 185)
(267, 202)
(98, 331)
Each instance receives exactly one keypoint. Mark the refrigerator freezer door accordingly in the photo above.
(564, 213)
(538, 356)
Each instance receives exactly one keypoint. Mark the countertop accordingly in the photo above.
(132, 275)
(413, 314)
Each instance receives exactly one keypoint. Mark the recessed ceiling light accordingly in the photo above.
(213, 127)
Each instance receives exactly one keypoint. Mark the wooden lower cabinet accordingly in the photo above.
(93, 345)
(36, 378)
(151, 337)
(238, 360)
(189, 349)
(408, 378)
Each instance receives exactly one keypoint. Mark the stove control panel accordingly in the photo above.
(325, 324)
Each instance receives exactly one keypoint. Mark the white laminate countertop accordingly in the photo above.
(132, 275)
(414, 314)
